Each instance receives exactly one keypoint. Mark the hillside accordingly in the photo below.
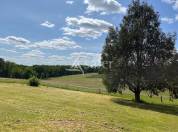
(23, 108)
(87, 83)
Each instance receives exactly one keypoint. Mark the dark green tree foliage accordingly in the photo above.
(138, 52)
(12, 70)
(34, 82)
(108, 57)
(9, 69)
(172, 76)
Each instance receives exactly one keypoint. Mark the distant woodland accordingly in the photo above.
(13, 70)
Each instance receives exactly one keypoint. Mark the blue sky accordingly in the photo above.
(65, 31)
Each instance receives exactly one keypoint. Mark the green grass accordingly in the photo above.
(91, 83)
(24, 108)
(86, 83)
(12, 80)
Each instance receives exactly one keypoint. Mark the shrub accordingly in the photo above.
(34, 81)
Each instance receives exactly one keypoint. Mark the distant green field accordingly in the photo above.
(12, 80)
(24, 108)
(87, 83)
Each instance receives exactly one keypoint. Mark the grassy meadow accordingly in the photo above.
(86, 83)
(24, 108)
(49, 108)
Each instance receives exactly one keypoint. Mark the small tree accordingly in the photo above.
(34, 82)
(135, 55)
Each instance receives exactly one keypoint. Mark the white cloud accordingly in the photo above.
(56, 58)
(174, 3)
(59, 43)
(82, 32)
(168, 1)
(18, 42)
(75, 58)
(167, 20)
(86, 58)
(88, 23)
(47, 24)
(70, 2)
(34, 57)
(23, 46)
(176, 17)
(85, 27)
(37, 54)
(34, 54)
(14, 40)
(105, 6)
(22, 43)
(8, 50)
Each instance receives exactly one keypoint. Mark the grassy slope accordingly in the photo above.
(87, 83)
(23, 108)
(12, 80)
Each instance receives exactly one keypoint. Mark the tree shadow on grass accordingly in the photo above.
(162, 108)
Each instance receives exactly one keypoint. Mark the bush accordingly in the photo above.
(34, 81)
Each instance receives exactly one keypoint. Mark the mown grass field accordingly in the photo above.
(86, 83)
(52, 108)
(23, 108)
(91, 83)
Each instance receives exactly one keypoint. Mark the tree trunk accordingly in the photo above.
(137, 97)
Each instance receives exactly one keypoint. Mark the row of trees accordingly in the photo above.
(12, 70)
(139, 55)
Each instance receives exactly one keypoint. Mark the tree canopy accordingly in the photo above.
(12, 70)
(135, 55)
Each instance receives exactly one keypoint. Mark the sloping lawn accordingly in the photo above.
(87, 83)
(23, 108)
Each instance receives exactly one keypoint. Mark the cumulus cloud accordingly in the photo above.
(38, 57)
(85, 58)
(37, 54)
(34, 54)
(176, 17)
(47, 24)
(82, 32)
(8, 50)
(69, 2)
(18, 42)
(14, 40)
(59, 43)
(85, 27)
(22, 43)
(56, 58)
(76, 58)
(105, 6)
(167, 20)
(174, 3)
(88, 23)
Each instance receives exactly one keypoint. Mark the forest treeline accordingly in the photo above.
(13, 70)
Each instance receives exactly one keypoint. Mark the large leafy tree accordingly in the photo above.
(137, 52)
(172, 76)
(108, 57)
